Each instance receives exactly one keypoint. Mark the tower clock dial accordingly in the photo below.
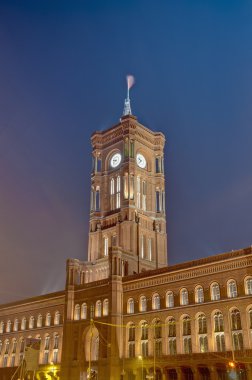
(141, 161)
(115, 160)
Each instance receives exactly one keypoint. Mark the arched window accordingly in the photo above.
(48, 319)
(144, 196)
(220, 342)
(23, 323)
(143, 304)
(118, 192)
(203, 343)
(215, 291)
(1, 327)
(156, 302)
(14, 346)
(56, 348)
(248, 285)
(199, 294)
(202, 324)
(138, 185)
(46, 349)
(184, 297)
(57, 318)
(7, 347)
(186, 326)
(131, 340)
(130, 306)
(15, 325)
(169, 299)
(106, 246)
(218, 322)
(144, 339)
(77, 312)
(171, 327)
(31, 322)
(98, 309)
(187, 343)
(106, 307)
(39, 321)
(238, 341)
(232, 289)
(84, 311)
(157, 329)
(235, 320)
(97, 199)
(112, 194)
(8, 326)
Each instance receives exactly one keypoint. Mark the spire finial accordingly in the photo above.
(127, 108)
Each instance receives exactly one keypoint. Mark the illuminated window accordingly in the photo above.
(1, 327)
(203, 343)
(118, 192)
(8, 326)
(199, 294)
(112, 194)
(57, 318)
(184, 297)
(149, 242)
(220, 342)
(39, 321)
(215, 291)
(186, 326)
(130, 307)
(84, 311)
(31, 322)
(171, 328)
(248, 285)
(77, 312)
(48, 319)
(138, 200)
(105, 307)
(143, 304)
(232, 289)
(218, 322)
(187, 342)
(169, 299)
(15, 325)
(202, 324)
(106, 246)
(235, 319)
(156, 302)
(23, 323)
(98, 308)
(144, 196)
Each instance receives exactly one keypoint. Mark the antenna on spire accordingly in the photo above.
(127, 108)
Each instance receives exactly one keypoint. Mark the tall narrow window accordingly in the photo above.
(23, 323)
(15, 325)
(39, 321)
(77, 312)
(1, 327)
(84, 311)
(248, 285)
(218, 322)
(143, 304)
(250, 318)
(112, 194)
(142, 246)
(97, 199)
(99, 164)
(238, 341)
(232, 289)
(172, 344)
(186, 326)
(203, 343)
(215, 292)
(126, 186)
(187, 341)
(106, 307)
(31, 322)
(138, 192)
(169, 299)
(118, 192)
(220, 342)
(131, 340)
(8, 326)
(130, 306)
(202, 324)
(98, 308)
(184, 297)
(199, 295)
(163, 201)
(144, 339)
(149, 249)
(156, 302)
(126, 147)
(144, 196)
(106, 246)
(158, 206)
(131, 148)
(131, 186)
(235, 320)
(57, 318)
(48, 319)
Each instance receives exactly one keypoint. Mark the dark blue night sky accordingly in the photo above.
(62, 76)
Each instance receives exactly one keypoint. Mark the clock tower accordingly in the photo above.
(127, 232)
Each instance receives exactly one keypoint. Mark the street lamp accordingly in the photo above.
(141, 358)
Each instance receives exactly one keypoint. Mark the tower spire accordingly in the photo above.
(127, 108)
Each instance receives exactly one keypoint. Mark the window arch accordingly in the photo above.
(31, 322)
(105, 307)
(184, 297)
(199, 294)
(130, 306)
(186, 325)
(15, 325)
(218, 322)
(232, 289)
(23, 323)
(202, 324)
(235, 320)
(39, 321)
(131, 340)
(98, 308)
(77, 312)
(169, 299)
(143, 304)
(215, 291)
(248, 285)
(8, 326)
(57, 318)
(155, 301)
(48, 319)
(1, 327)
(84, 311)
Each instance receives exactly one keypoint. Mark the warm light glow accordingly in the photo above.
(231, 364)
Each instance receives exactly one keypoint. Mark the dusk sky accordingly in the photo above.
(62, 76)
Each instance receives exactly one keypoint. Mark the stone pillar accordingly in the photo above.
(180, 373)
(196, 375)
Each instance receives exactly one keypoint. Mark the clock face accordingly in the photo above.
(141, 161)
(115, 160)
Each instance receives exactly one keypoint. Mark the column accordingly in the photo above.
(213, 373)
